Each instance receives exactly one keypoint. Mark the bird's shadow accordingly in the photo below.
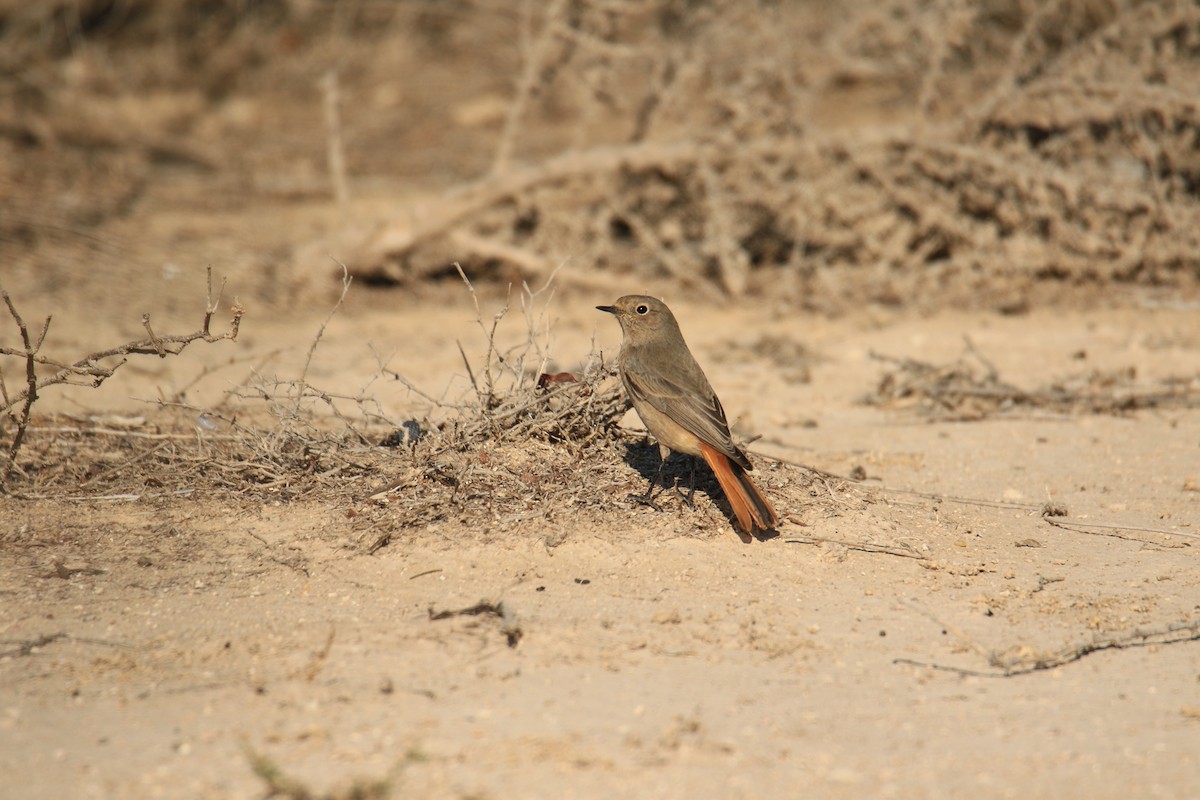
(677, 474)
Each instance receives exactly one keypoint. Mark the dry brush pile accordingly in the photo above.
(1020, 146)
(971, 388)
(521, 446)
(289, 438)
(908, 153)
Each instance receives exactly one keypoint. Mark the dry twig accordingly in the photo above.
(1040, 662)
(90, 367)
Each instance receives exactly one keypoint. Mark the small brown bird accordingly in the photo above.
(674, 399)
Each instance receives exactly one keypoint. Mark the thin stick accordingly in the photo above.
(31, 392)
(535, 55)
(483, 403)
(162, 353)
(1171, 634)
(864, 547)
(127, 433)
(488, 394)
(312, 348)
(1077, 527)
(136, 459)
(333, 132)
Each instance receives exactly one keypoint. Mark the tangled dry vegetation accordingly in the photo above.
(522, 444)
(90, 370)
(1041, 145)
(926, 154)
(289, 437)
(970, 388)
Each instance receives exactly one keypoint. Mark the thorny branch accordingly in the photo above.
(89, 367)
(312, 348)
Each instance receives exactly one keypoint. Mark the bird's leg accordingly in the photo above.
(691, 495)
(647, 499)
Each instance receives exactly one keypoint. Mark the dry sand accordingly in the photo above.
(150, 643)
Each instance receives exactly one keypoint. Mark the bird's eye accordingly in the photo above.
(643, 309)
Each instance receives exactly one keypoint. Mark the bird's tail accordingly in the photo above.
(750, 506)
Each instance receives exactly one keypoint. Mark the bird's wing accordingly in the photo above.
(701, 414)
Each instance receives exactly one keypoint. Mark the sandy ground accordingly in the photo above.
(149, 646)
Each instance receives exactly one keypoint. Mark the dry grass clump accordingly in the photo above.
(514, 399)
(970, 388)
(522, 447)
(279, 438)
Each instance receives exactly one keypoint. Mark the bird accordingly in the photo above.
(677, 404)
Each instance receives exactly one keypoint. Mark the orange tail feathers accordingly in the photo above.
(750, 506)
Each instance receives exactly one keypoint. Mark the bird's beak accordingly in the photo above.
(609, 309)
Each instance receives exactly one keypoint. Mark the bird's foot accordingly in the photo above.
(646, 499)
(688, 499)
